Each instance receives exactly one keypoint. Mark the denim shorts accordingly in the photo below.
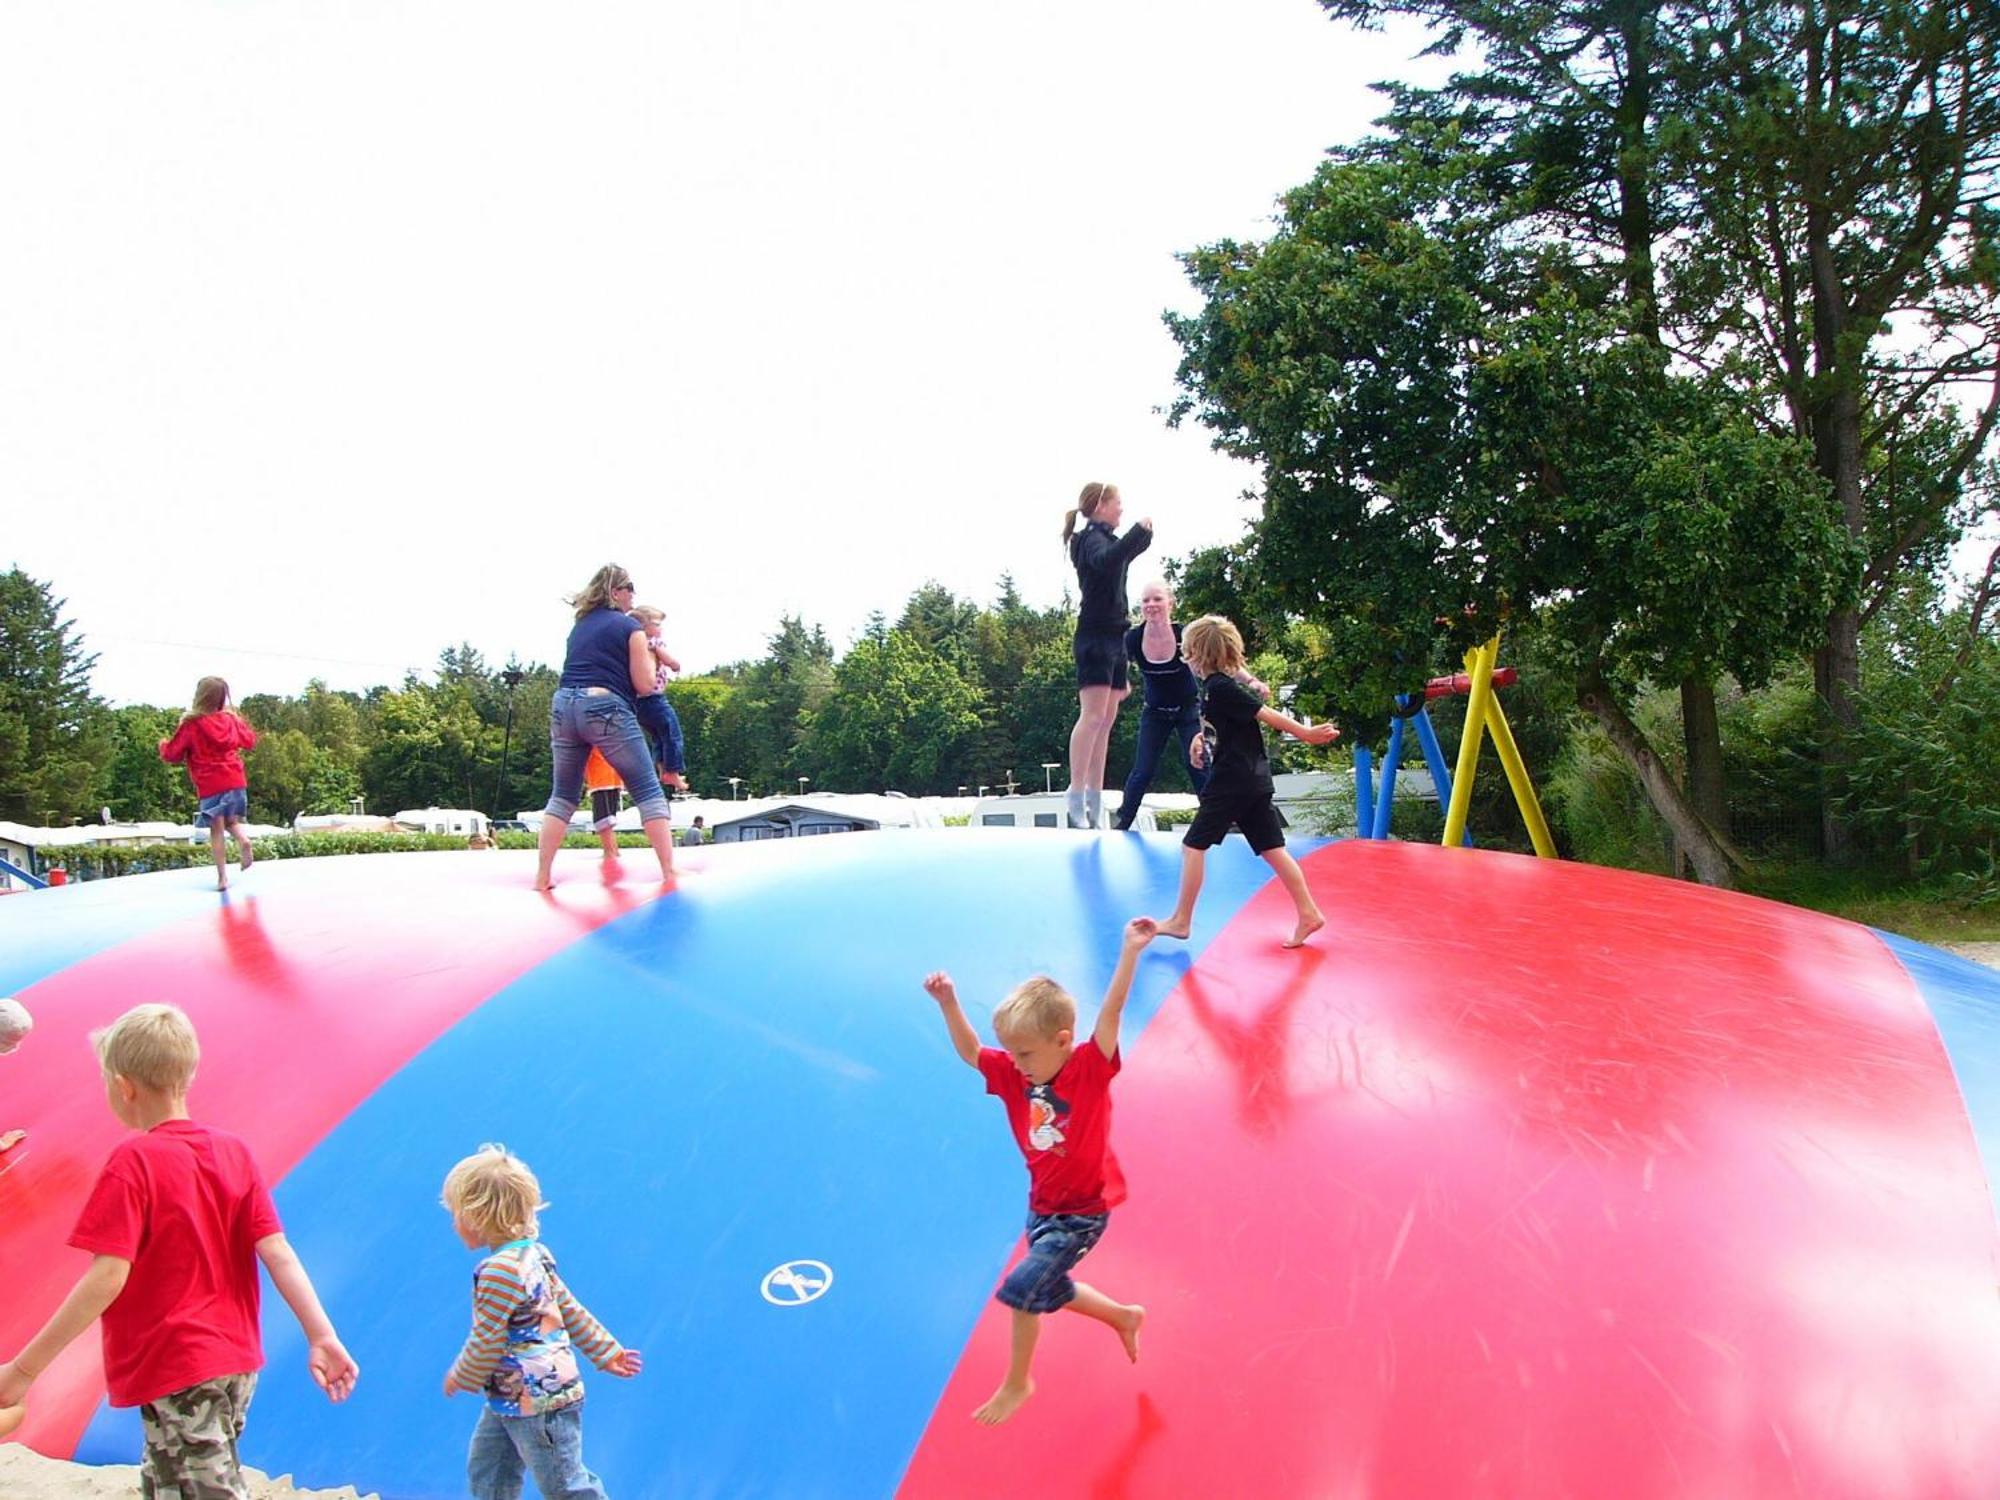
(1056, 1242)
(234, 803)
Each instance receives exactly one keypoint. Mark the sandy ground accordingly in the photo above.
(28, 1476)
(1979, 953)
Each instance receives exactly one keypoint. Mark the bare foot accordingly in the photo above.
(545, 883)
(222, 883)
(1171, 928)
(1306, 928)
(249, 857)
(12, 1139)
(1003, 1403)
(1128, 1326)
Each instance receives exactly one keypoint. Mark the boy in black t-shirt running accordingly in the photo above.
(1239, 789)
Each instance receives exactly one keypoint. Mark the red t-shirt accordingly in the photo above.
(186, 1205)
(1063, 1128)
(212, 745)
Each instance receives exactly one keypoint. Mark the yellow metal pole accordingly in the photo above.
(1517, 778)
(1479, 667)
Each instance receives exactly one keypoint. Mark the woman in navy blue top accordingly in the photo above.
(606, 670)
(1100, 557)
(1172, 697)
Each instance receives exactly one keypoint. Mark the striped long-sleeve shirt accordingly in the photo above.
(526, 1331)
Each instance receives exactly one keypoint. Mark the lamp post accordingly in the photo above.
(802, 784)
(982, 789)
(512, 677)
(734, 783)
(1048, 774)
(1010, 783)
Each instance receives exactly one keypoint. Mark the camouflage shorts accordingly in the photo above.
(191, 1441)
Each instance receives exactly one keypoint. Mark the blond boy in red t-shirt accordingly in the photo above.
(177, 1290)
(1058, 1100)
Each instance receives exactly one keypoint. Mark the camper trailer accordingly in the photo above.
(460, 821)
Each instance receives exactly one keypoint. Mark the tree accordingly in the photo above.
(134, 782)
(699, 702)
(1458, 426)
(52, 748)
(1795, 197)
(901, 716)
(1845, 173)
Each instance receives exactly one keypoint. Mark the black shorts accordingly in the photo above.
(1100, 660)
(1253, 812)
(604, 808)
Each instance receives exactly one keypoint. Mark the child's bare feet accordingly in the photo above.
(1308, 925)
(1004, 1402)
(12, 1139)
(1128, 1326)
(248, 859)
(1174, 927)
(222, 882)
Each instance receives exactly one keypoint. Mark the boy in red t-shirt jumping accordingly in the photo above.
(178, 1221)
(1058, 1100)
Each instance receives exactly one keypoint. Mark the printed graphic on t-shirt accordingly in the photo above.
(1045, 1111)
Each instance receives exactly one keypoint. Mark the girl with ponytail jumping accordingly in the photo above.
(1100, 557)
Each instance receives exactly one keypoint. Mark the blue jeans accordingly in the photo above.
(1156, 730)
(663, 728)
(579, 720)
(550, 1448)
(1056, 1242)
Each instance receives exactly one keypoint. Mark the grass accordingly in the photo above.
(1934, 912)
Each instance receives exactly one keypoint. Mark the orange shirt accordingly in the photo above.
(598, 775)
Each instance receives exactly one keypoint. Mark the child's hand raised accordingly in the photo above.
(628, 1363)
(1141, 931)
(938, 985)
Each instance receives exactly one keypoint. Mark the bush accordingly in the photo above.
(1596, 804)
(109, 860)
(1923, 783)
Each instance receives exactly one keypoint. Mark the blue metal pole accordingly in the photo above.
(1386, 801)
(1364, 793)
(1434, 758)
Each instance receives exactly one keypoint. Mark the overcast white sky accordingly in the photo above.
(334, 334)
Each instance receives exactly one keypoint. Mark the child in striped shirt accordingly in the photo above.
(526, 1331)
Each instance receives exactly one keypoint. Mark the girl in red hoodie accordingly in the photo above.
(212, 738)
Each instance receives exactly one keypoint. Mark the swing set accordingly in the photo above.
(1480, 682)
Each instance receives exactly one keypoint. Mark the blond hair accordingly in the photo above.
(1094, 495)
(1037, 1007)
(153, 1046)
(597, 593)
(645, 614)
(1211, 644)
(211, 696)
(493, 1194)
